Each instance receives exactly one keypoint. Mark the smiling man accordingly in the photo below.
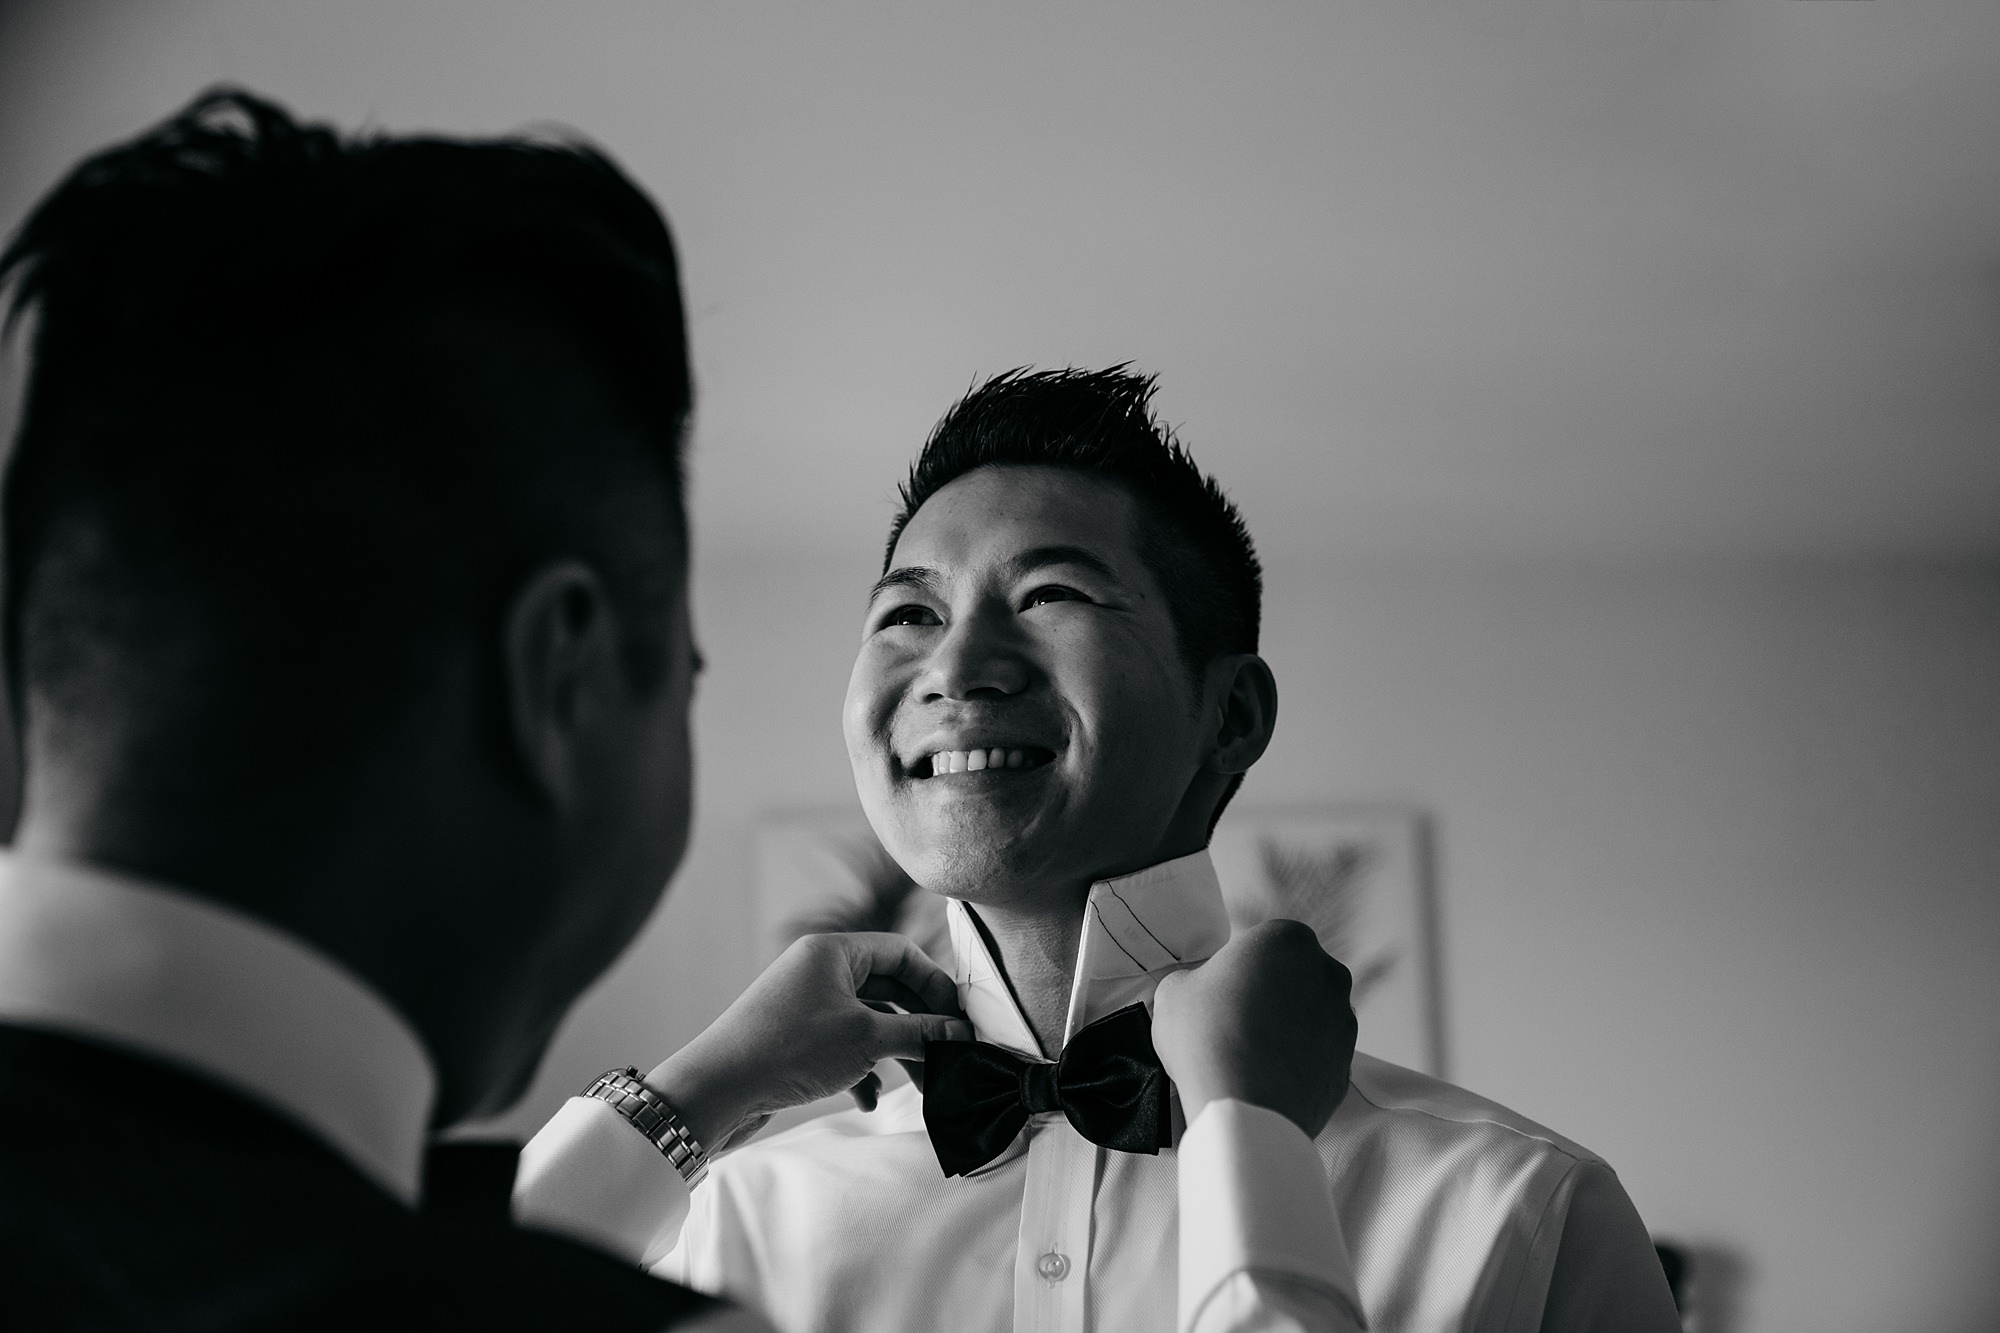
(1057, 693)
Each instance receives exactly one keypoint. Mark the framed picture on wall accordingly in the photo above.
(1357, 875)
(1360, 877)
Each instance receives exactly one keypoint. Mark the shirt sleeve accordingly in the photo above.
(590, 1176)
(1607, 1277)
(1261, 1250)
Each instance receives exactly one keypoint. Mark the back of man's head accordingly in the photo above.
(302, 408)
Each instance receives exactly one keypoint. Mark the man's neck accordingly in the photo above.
(1036, 943)
(1036, 953)
(350, 902)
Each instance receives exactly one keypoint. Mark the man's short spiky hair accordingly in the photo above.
(1101, 422)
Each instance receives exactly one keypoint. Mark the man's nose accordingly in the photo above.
(976, 656)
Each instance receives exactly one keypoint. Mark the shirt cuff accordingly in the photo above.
(591, 1176)
(1254, 1199)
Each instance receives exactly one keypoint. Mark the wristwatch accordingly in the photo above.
(651, 1116)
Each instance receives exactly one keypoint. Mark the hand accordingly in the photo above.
(1266, 1021)
(814, 1024)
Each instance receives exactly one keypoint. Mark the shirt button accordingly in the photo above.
(1052, 1267)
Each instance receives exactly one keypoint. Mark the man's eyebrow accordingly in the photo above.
(921, 577)
(1041, 557)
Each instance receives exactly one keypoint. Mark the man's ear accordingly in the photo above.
(559, 665)
(1246, 711)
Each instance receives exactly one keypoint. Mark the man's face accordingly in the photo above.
(633, 813)
(648, 786)
(620, 840)
(663, 760)
(1019, 718)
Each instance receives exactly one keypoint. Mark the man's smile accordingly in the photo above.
(996, 759)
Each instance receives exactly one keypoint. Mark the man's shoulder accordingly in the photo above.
(1454, 1205)
(507, 1277)
(298, 1245)
(134, 1194)
(1410, 1111)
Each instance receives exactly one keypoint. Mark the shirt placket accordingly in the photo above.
(1052, 1258)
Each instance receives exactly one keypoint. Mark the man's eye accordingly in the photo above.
(910, 615)
(1052, 592)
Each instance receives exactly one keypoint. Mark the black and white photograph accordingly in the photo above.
(1104, 667)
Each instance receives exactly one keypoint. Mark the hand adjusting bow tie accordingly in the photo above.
(1108, 1082)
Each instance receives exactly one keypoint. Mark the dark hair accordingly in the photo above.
(1191, 538)
(300, 405)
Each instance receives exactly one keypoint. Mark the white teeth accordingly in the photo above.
(976, 761)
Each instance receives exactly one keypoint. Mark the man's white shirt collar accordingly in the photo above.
(1136, 929)
(108, 957)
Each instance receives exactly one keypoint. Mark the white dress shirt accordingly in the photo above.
(91, 953)
(1419, 1206)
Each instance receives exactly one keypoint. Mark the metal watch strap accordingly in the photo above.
(651, 1116)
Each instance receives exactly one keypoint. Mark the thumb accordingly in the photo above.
(903, 1035)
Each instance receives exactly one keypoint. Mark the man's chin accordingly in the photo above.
(990, 847)
(977, 871)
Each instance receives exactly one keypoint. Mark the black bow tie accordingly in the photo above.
(1108, 1082)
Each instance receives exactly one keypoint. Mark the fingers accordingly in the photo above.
(1298, 940)
(877, 990)
(867, 1092)
(902, 1036)
(896, 958)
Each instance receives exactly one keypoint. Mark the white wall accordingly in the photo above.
(1718, 853)
(1527, 275)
